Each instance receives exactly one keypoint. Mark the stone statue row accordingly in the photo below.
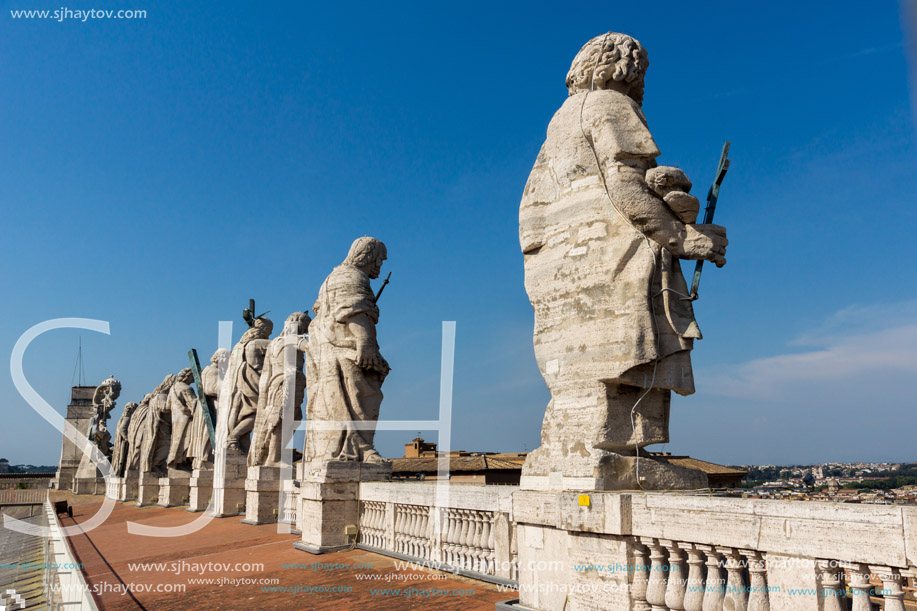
(335, 356)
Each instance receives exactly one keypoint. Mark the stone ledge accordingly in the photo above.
(868, 534)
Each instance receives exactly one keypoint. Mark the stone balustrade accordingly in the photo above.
(667, 552)
(472, 534)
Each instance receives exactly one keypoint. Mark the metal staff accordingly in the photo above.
(382, 288)
(206, 410)
(712, 195)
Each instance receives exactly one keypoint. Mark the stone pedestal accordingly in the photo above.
(175, 489)
(129, 488)
(609, 471)
(229, 486)
(329, 506)
(148, 489)
(262, 499)
(89, 485)
(201, 483)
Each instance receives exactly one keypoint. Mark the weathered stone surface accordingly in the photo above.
(262, 488)
(121, 448)
(175, 489)
(238, 402)
(329, 501)
(182, 403)
(148, 489)
(201, 450)
(151, 437)
(103, 402)
(129, 488)
(229, 494)
(201, 484)
(79, 413)
(344, 368)
(612, 335)
(241, 385)
(280, 395)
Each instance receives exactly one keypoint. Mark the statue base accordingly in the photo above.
(148, 489)
(329, 505)
(89, 485)
(229, 489)
(129, 486)
(262, 488)
(201, 484)
(606, 471)
(175, 490)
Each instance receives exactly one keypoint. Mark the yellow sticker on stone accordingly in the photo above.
(584, 500)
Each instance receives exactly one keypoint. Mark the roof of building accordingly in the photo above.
(702, 465)
(457, 464)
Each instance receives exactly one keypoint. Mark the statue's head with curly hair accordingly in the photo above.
(609, 61)
(368, 254)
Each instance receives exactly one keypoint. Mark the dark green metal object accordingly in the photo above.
(382, 288)
(208, 410)
(248, 314)
(712, 195)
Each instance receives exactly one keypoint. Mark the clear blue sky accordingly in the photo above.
(159, 172)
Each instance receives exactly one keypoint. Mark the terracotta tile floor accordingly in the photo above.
(106, 551)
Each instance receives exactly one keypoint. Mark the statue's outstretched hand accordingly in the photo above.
(707, 242)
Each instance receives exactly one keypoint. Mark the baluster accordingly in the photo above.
(675, 584)
(892, 592)
(412, 531)
(402, 529)
(641, 577)
(478, 540)
(655, 588)
(694, 598)
(424, 514)
(859, 587)
(758, 597)
(736, 596)
(487, 543)
(832, 589)
(715, 586)
(464, 539)
(451, 537)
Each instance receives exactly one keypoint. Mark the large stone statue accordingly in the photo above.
(282, 379)
(344, 368)
(613, 327)
(138, 433)
(242, 382)
(201, 450)
(103, 401)
(121, 449)
(158, 436)
(182, 403)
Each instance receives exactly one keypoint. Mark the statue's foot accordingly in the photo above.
(372, 457)
(234, 447)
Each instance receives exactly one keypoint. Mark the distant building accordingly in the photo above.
(4, 465)
(421, 462)
(418, 447)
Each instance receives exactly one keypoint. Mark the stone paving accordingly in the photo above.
(108, 552)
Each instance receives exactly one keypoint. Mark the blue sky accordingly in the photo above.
(159, 172)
